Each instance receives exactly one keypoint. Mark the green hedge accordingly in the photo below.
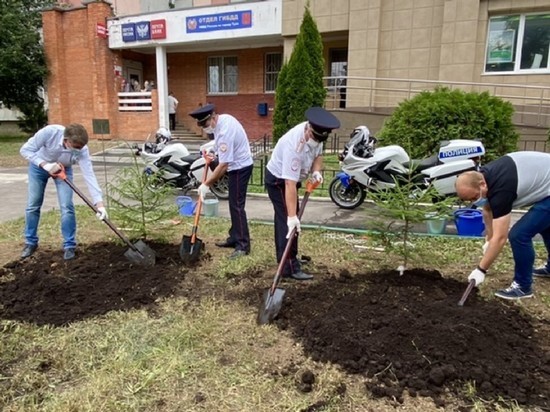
(420, 123)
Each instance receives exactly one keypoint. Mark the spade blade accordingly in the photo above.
(190, 252)
(144, 255)
(271, 306)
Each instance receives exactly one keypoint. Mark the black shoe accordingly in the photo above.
(299, 276)
(28, 250)
(543, 272)
(225, 244)
(237, 254)
(69, 254)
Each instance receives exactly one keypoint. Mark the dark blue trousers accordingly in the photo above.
(536, 220)
(276, 190)
(239, 234)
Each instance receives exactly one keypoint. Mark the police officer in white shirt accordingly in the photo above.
(235, 159)
(50, 149)
(295, 155)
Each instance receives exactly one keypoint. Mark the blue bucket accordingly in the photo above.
(469, 222)
(186, 205)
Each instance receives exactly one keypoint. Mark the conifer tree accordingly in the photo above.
(300, 82)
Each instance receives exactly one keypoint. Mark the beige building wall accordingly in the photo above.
(434, 40)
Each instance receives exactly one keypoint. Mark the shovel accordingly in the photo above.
(191, 246)
(467, 292)
(139, 253)
(273, 297)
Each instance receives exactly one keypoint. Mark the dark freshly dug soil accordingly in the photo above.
(407, 333)
(402, 333)
(45, 289)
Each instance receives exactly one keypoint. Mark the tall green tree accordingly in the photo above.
(22, 59)
(300, 82)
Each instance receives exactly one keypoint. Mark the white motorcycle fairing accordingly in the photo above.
(174, 165)
(365, 168)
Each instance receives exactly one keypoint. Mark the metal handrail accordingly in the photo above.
(532, 102)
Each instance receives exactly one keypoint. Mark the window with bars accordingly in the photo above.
(518, 43)
(273, 64)
(223, 75)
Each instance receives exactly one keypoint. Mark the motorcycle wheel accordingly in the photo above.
(221, 188)
(346, 197)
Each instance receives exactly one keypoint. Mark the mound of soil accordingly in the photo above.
(45, 289)
(408, 333)
(403, 333)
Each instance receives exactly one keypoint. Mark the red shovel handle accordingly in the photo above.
(310, 186)
(207, 161)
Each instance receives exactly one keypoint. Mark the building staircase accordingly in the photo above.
(190, 139)
(124, 155)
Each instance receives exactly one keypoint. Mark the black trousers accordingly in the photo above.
(239, 234)
(276, 190)
(172, 119)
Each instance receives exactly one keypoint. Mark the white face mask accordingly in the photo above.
(313, 144)
(208, 129)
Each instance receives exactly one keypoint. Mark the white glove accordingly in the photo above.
(292, 222)
(477, 275)
(317, 176)
(203, 191)
(101, 213)
(485, 247)
(52, 168)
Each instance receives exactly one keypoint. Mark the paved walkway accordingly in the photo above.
(319, 212)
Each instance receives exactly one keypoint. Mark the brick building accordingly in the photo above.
(229, 52)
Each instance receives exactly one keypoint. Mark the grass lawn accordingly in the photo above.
(200, 349)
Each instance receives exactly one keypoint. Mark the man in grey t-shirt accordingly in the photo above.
(515, 180)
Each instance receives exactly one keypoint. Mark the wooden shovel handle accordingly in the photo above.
(467, 292)
(63, 176)
(310, 186)
(207, 161)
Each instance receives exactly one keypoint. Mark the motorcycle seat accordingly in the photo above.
(191, 158)
(422, 164)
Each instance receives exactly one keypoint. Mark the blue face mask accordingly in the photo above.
(481, 201)
(75, 152)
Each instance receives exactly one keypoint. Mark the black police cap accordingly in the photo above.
(322, 122)
(203, 113)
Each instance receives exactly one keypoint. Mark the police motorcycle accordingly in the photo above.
(364, 167)
(173, 164)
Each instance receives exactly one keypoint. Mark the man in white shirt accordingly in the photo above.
(295, 155)
(235, 159)
(172, 106)
(50, 149)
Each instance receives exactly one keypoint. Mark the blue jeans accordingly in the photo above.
(38, 178)
(536, 220)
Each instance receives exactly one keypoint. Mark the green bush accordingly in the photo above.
(444, 114)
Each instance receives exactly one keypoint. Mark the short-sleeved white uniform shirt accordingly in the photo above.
(292, 158)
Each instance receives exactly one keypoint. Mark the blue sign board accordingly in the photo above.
(220, 21)
(143, 30)
(128, 32)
